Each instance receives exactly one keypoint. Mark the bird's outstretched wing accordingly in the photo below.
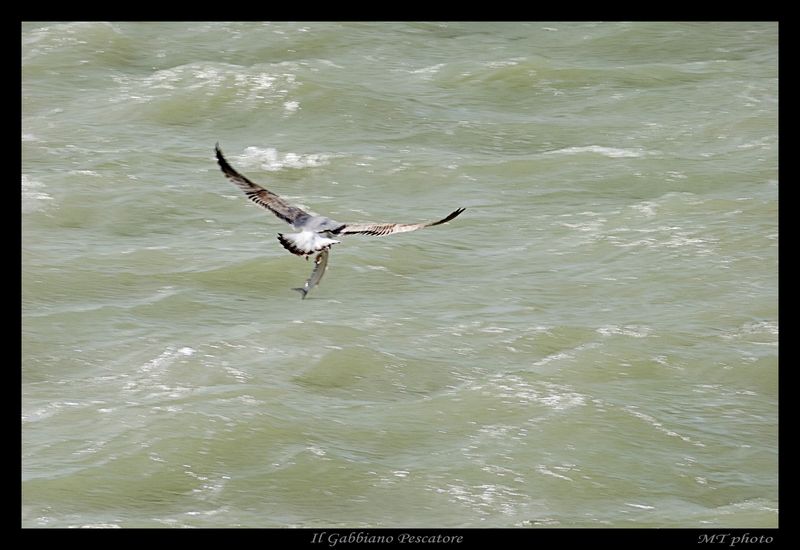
(259, 195)
(380, 229)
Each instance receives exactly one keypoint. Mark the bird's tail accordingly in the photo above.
(305, 243)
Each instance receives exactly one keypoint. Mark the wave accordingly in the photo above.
(270, 159)
(610, 152)
(33, 195)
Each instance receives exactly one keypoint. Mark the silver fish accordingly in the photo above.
(320, 265)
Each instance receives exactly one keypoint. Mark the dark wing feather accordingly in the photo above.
(381, 229)
(257, 194)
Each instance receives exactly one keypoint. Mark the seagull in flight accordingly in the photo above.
(315, 234)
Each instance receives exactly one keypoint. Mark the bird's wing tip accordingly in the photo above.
(450, 217)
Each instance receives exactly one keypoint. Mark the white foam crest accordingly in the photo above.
(590, 226)
(84, 173)
(542, 469)
(765, 143)
(209, 488)
(504, 63)
(61, 35)
(253, 86)
(550, 395)
(485, 498)
(770, 327)
(659, 426)
(640, 506)
(663, 236)
(47, 411)
(165, 358)
(637, 331)
(552, 357)
(240, 376)
(749, 331)
(610, 152)
(647, 208)
(271, 160)
(151, 372)
(428, 70)
(191, 77)
(495, 330)
(32, 195)
(317, 450)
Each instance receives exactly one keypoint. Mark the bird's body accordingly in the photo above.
(315, 234)
(306, 242)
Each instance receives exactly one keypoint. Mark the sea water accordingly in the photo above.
(592, 343)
